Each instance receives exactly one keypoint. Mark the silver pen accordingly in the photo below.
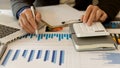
(33, 12)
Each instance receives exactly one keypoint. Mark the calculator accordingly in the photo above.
(96, 29)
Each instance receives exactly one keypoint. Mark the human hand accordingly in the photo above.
(27, 21)
(93, 14)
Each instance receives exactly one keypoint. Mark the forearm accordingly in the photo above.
(111, 7)
(18, 4)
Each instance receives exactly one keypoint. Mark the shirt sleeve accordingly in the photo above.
(111, 7)
(19, 11)
(17, 5)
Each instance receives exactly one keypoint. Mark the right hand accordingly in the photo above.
(94, 14)
(27, 21)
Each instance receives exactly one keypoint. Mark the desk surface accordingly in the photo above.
(5, 4)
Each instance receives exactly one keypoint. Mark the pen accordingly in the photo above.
(33, 12)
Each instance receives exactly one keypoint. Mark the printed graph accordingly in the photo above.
(112, 57)
(113, 24)
(59, 36)
(55, 55)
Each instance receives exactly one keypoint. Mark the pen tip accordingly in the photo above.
(36, 31)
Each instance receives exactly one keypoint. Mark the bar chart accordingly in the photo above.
(59, 36)
(55, 55)
(58, 57)
(113, 24)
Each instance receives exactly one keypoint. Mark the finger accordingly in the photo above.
(25, 28)
(98, 15)
(92, 16)
(31, 19)
(82, 18)
(22, 25)
(103, 17)
(20, 22)
(87, 13)
(26, 23)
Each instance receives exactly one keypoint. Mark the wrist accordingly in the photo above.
(20, 11)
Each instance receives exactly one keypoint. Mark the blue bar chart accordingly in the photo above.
(46, 36)
(113, 24)
(55, 55)
(7, 57)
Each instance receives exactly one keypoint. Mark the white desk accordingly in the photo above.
(5, 4)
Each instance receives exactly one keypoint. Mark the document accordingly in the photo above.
(59, 15)
(47, 51)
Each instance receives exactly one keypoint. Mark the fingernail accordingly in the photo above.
(84, 22)
(88, 24)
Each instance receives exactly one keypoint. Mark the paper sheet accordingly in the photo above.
(56, 14)
(31, 52)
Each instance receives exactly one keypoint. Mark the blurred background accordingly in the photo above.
(5, 4)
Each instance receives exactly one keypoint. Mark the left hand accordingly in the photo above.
(93, 14)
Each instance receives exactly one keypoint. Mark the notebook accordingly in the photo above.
(59, 15)
(9, 29)
(94, 43)
(7, 35)
(83, 30)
